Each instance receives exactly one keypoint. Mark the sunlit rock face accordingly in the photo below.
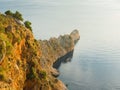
(53, 49)
(26, 63)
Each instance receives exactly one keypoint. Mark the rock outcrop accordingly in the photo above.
(26, 63)
(55, 48)
(75, 36)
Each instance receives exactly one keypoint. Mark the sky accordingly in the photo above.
(52, 18)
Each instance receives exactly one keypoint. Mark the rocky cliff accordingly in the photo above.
(26, 63)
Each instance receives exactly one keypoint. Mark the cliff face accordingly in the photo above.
(53, 49)
(25, 63)
(18, 54)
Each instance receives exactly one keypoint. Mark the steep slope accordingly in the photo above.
(18, 50)
(54, 48)
(25, 63)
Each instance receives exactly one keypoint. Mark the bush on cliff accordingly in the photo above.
(16, 15)
(8, 12)
(28, 25)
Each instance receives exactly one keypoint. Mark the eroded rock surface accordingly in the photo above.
(26, 63)
(53, 49)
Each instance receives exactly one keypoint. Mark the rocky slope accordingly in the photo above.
(25, 63)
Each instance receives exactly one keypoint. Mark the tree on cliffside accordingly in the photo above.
(28, 25)
(8, 12)
(16, 15)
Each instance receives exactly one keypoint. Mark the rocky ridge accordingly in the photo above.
(26, 63)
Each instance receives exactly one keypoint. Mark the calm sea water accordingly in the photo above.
(96, 60)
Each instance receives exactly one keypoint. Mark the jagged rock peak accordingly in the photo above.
(75, 35)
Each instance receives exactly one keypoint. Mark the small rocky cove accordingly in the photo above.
(30, 64)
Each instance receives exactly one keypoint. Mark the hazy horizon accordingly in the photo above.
(61, 17)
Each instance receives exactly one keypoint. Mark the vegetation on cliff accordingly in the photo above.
(26, 63)
(19, 55)
(28, 25)
(18, 16)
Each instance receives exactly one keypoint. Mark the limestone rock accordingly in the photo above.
(53, 49)
(75, 36)
(66, 42)
(26, 63)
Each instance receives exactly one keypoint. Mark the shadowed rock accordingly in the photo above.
(2, 50)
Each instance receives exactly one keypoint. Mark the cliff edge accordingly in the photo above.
(26, 63)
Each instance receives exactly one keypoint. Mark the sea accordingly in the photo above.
(95, 64)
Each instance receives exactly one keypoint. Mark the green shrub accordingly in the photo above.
(28, 25)
(8, 12)
(18, 15)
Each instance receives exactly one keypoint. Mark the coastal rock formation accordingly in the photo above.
(26, 63)
(53, 49)
(75, 36)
